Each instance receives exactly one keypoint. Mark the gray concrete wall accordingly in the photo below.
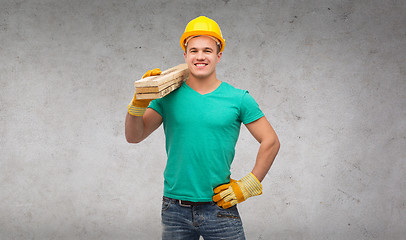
(329, 75)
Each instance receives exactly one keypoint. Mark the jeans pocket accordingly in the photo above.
(231, 213)
(165, 204)
(230, 221)
(228, 215)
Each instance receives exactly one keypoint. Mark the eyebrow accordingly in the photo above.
(206, 48)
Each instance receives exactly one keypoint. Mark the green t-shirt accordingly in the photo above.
(201, 133)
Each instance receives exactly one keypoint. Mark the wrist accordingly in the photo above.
(252, 185)
(136, 111)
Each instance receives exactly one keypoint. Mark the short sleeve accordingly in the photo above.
(156, 104)
(249, 109)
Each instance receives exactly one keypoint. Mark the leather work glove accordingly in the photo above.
(228, 195)
(138, 107)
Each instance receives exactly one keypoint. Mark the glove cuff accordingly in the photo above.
(136, 111)
(251, 186)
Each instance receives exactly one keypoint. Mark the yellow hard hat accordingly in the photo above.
(202, 26)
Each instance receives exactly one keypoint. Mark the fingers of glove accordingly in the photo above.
(140, 103)
(226, 195)
(147, 74)
(221, 203)
(155, 72)
(221, 188)
(222, 194)
(217, 197)
(230, 197)
(152, 72)
(224, 186)
(226, 205)
(229, 204)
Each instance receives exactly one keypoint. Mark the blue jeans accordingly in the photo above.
(209, 221)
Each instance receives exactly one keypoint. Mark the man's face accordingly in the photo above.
(201, 57)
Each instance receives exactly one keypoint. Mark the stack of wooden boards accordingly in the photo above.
(161, 85)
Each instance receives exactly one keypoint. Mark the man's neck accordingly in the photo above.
(203, 85)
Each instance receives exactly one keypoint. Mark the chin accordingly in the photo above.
(200, 75)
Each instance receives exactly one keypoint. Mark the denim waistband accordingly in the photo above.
(184, 203)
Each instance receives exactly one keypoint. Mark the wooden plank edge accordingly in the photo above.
(167, 75)
(160, 94)
(156, 89)
(156, 81)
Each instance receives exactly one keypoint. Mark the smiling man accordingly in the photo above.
(202, 121)
(202, 57)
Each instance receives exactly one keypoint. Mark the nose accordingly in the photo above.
(200, 55)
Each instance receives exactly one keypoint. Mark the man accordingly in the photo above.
(202, 121)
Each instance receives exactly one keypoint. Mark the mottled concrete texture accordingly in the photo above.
(329, 75)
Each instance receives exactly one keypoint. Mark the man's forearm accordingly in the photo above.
(134, 127)
(229, 194)
(266, 155)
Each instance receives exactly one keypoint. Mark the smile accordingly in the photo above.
(200, 64)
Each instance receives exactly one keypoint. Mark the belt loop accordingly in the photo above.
(183, 205)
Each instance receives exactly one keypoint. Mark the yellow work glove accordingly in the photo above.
(138, 107)
(228, 195)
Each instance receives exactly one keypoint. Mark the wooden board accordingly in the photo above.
(155, 89)
(162, 93)
(161, 85)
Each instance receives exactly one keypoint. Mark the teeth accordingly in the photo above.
(200, 64)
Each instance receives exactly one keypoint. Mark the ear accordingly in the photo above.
(219, 55)
(184, 54)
